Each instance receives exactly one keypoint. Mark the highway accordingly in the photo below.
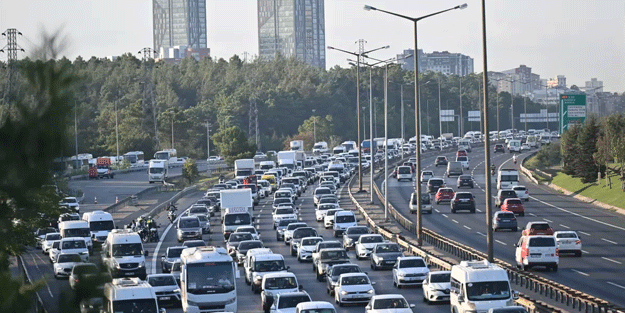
(599, 272)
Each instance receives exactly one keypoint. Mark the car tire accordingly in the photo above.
(425, 299)
(453, 211)
(522, 214)
(516, 229)
(472, 210)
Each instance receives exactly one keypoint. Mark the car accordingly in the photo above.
(315, 307)
(233, 242)
(288, 232)
(508, 309)
(328, 220)
(454, 168)
(352, 234)
(440, 160)
(275, 283)
(464, 160)
(320, 191)
(385, 255)
(521, 192)
(465, 181)
(245, 246)
(327, 258)
(353, 288)
(204, 223)
(568, 242)
(444, 194)
(306, 247)
(166, 289)
(282, 225)
(463, 201)
(525, 146)
(248, 229)
(343, 220)
(389, 303)
(461, 152)
(48, 240)
(91, 305)
(409, 270)
(71, 203)
(435, 183)
(426, 203)
(298, 234)
(69, 245)
(86, 275)
(323, 245)
(170, 256)
(283, 213)
(335, 271)
(65, 263)
(537, 228)
(504, 220)
(176, 269)
(41, 233)
(500, 148)
(365, 244)
(328, 199)
(188, 227)
(537, 250)
(321, 210)
(404, 172)
(513, 205)
(282, 201)
(504, 194)
(426, 175)
(436, 286)
(287, 302)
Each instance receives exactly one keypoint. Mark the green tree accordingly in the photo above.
(569, 149)
(190, 171)
(317, 127)
(587, 142)
(233, 144)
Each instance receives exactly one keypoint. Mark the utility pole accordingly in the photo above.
(314, 127)
(401, 93)
(11, 49)
(146, 54)
(440, 122)
(76, 128)
(208, 136)
(461, 116)
(117, 132)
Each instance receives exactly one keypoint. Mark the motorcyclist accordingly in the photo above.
(514, 159)
(492, 169)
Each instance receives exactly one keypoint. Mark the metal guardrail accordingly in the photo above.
(39, 307)
(562, 294)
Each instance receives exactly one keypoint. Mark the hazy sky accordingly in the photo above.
(576, 38)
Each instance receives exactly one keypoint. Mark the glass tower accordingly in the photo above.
(179, 23)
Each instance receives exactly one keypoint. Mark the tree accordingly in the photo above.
(569, 149)
(587, 142)
(233, 144)
(314, 127)
(190, 171)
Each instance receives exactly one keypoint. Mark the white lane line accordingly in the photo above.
(160, 242)
(550, 221)
(585, 233)
(481, 234)
(615, 285)
(437, 211)
(577, 214)
(445, 215)
(479, 210)
(531, 214)
(584, 251)
(562, 225)
(455, 221)
(44, 281)
(610, 241)
(581, 273)
(501, 242)
(613, 261)
(467, 227)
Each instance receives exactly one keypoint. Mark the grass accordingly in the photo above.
(601, 193)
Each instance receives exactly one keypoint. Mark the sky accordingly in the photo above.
(580, 39)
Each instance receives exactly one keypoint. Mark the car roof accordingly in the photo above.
(279, 274)
(354, 274)
(411, 257)
(388, 296)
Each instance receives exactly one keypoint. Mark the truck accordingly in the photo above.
(507, 177)
(236, 207)
(320, 147)
(287, 159)
(243, 168)
(208, 280)
(169, 155)
(128, 294)
(349, 145)
(101, 169)
(477, 286)
(366, 146)
(300, 157)
(158, 171)
(297, 145)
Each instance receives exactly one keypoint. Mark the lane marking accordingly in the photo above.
(501, 242)
(437, 211)
(467, 227)
(562, 225)
(615, 285)
(577, 214)
(160, 242)
(479, 210)
(613, 261)
(581, 273)
(610, 241)
(550, 221)
(532, 214)
(445, 215)
(584, 251)
(455, 221)
(481, 234)
(584, 233)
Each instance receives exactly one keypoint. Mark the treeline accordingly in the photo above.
(146, 100)
(593, 147)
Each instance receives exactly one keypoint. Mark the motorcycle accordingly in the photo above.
(153, 235)
(514, 159)
(492, 170)
(172, 216)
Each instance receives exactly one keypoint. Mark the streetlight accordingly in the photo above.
(314, 127)
(417, 107)
(116, 132)
(208, 136)
(172, 127)
(358, 55)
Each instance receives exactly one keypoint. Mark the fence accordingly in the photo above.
(37, 304)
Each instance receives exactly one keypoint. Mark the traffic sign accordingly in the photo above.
(572, 110)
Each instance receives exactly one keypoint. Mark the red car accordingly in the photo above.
(514, 205)
(537, 228)
(444, 194)
(461, 153)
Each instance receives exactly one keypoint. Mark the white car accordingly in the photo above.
(48, 240)
(365, 245)
(282, 213)
(248, 229)
(315, 306)
(464, 160)
(525, 147)
(72, 203)
(409, 270)
(521, 192)
(288, 232)
(65, 263)
(568, 242)
(70, 245)
(321, 210)
(426, 175)
(319, 192)
(306, 247)
(389, 304)
(166, 288)
(353, 288)
(276, 283)
(286, 302)
(328, 220)
(436, 286)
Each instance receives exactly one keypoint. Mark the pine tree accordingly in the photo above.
(587, 168)
(569, 150)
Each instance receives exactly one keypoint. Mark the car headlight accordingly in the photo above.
(142, 264)
(84, 253)
(116, 264)
(401, 274)
(343, 292)
(370, 291)
(192, 303)
(258, 278)
(231, 300)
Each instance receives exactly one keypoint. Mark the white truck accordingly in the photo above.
(208, 280)
(166, 155)
(158, 171)
(287, 159)
(243, 168)
(236, 208)
(297, 145)
(507, 177)
(76, 229)
(477, 286)
(320, 147)
(300, 158)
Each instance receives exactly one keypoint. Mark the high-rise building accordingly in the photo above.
(442, 62)
(179, 23)
(292, 28)
(516, 81)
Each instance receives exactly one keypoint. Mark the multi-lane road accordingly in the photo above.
(599, 272)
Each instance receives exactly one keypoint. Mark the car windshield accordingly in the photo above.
(404, 170)
(280, 283)
(292, 301)
(269, 266)
(514, 201)
(542, 242)
(135, 305)
(540, 226)
(394, 303)
(334, 254)
(506, 215)
(357, 230)
(252, 244)
(281, 200)
(236, 237)
(301, 233)
(188, 223)
(162, 280)
(286, 222)
(509, 177)
(284, 211)
(293, 226)
(127, 249)
(51, 237)
(412, 263)
(324, 207)
(76, 232)
(237, 219)
(386, 248)
(250, 230)
(440, 278)
(318, 311)
(311, 241)
(436, 182)
(461, 159)
(566, 235)
(355, 280)
(328, 245)
(194, 243)
(461, 195)
(69, 200)
(323, 191)
(338, 270)
(345, 219)
(371, 239)
(198, 210)
(202, 218)
(210, 277)
(465, 177)
(101, 225)
(328, 200)
(487, 291)
(156, 170)
(173, 253)
(67, 258)
(73, 244)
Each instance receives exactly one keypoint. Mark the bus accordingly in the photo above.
(135, 158)
(166, 154)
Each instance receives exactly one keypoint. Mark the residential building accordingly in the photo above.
(441, 62)
(292, 28)
(516, 81)
(179, 24)
(594, 85)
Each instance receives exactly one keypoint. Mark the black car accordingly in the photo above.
(434, 184)
(352, 234)
(440, 160)
(500, 148)
(463, 201)
(464, 180)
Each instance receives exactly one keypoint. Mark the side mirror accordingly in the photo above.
(372, 283)
(412, 305)
(288, 267)
(177, 290)
(301, 287)
(429, 265)
(515, 295)
(368, 307)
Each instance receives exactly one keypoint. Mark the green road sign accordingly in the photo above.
(572, 110)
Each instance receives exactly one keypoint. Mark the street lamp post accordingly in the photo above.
(440, 120)
(461, 127)
(172, 127)
(208, 136)
(358, 55)
(417, 106)
(116, 132)
(314, 127)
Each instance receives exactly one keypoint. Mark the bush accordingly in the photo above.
(548, 156)
(190, 171)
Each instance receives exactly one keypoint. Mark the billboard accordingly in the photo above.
(572, 110)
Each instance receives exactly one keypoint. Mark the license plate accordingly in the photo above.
(390, 262)
(164, 298)
(505, 220)
(535, 255)
(129, 273)
(464, 200)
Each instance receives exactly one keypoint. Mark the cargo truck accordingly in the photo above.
(158, 171)
(287, 159)
(101, 169)
(297, 145)
(243, 168)
(236, 207)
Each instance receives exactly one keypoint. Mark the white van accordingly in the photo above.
(73, 229)
(514, 145)
(342, 221)
(127, 294)
(507, 178)
(532, 141)
(477, 286)
(123, 254)
(100, 224)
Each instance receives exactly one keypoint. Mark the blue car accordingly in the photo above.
(505, 220)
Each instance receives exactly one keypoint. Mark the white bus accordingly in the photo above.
(166, 154)
(208, 280)
(135, 158)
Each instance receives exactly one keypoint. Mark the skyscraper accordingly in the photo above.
(179, 23)
(292, 28)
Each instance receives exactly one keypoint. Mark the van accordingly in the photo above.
(73, 229)
(507, 177)
(532, 141)
(514, 145)
(263, 264)
(249, 256)
(477, 286)
(272, 181)
(100, 224)
(454, 168)
(127, 294)
(123, 254)
(537, 251)
(342, 221)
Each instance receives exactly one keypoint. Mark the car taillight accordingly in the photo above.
(497, 219)
(578, 242)
(526, 192)
(557, 252)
